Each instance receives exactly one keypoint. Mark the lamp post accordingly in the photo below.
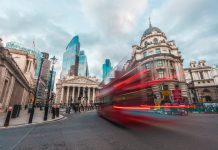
(53, 60)
(36, 91)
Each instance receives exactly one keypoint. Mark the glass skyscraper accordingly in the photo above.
(83, 64)
(74, 61)
(106, 67)
(71, 55)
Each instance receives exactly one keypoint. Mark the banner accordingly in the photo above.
(177, 94)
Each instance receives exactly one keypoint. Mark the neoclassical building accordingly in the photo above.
(163, 58)
(15, 87)
(201, 82)
(76, 89)
(26, 62)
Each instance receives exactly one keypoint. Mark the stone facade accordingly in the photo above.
(76, 89)
(164, 60)
(26, 62)
(201, 82)
(15, 88)
(215, 74)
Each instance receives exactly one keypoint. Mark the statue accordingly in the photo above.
(1, 44)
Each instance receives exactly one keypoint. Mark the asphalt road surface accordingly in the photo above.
(87, 131)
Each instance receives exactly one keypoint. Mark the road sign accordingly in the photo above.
(177, 94)
(157, 103)
(166, 93)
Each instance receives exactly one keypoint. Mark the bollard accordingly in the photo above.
(57, 110)
(69, 109)
(53, 112)
(7, 120)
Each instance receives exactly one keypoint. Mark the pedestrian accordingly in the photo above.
(69, 108)
(82, 107)
(25, 107)
(74, 107)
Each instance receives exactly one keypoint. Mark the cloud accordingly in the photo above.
(113, 17)
(112, 24)
(108, 29)
(192, 25)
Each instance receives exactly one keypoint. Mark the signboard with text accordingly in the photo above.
(166, 93)
(177, 94)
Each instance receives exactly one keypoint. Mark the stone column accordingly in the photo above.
(23, 97)
(78, 92)
(3, 73)
(67, 98)
(73, 94)
(11, 88)
(169, 68)
(83, 91)
(88, 94)
(199, 76)
(166, 68)
(93, 95)
(62, 95)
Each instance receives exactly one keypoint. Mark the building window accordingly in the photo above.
(157, 50)
(208, 81)
(147, 66)
(171, 64)
(146, 44)
(161, 87)
(159, 63)
(26, 67)
(199, 82)
(145, 54)
(160, 73)
(30, 66)
(174, 76)
(155, 41)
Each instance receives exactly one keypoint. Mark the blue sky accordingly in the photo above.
(108, 28)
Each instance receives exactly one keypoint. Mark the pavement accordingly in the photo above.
(87, 131)
(23, 118)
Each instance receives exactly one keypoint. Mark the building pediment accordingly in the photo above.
(80, 80)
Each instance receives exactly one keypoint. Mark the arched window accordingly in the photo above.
(155, 41)
(146, 44)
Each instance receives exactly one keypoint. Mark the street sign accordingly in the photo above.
(166, 93)
(157, 103)
(177, 94)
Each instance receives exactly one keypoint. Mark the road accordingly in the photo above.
(87, 131)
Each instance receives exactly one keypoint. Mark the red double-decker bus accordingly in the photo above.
(128, 90)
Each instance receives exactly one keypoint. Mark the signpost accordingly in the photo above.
(166, 93)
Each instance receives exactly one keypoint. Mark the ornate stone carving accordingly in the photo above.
(80, 80)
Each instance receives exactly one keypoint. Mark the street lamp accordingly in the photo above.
(36, 91)
(53, 60)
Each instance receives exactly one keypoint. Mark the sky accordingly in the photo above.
(109, 28)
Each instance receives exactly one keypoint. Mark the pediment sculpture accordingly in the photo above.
(81, 80)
